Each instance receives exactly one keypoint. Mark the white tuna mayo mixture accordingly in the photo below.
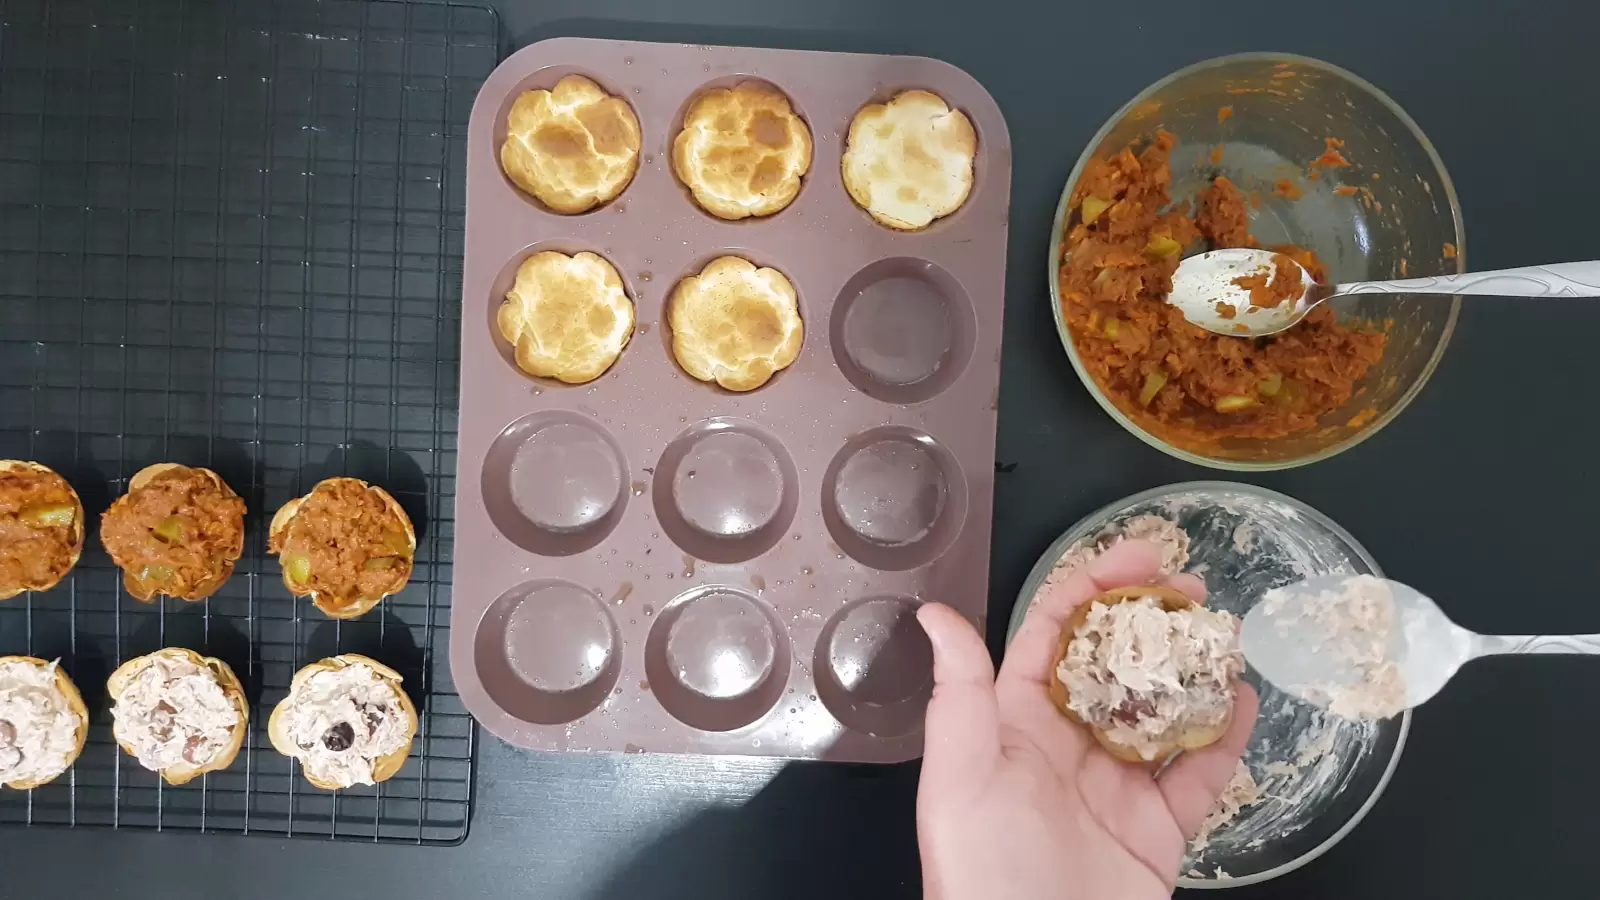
(173, 713)
(38, 728)
(1141, 673)
(1355, 624)
(343, 721)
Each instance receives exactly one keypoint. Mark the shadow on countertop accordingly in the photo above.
(816, 830)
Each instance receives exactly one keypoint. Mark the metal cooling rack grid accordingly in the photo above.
(230, 235)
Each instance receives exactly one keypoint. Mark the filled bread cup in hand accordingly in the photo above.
(43, 722)
(1148, 671)
(346, 720)
(178, 713)
(177, 532)
(41, 528)
(346, 545)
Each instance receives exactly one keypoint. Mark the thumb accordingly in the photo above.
(1194, 781)
(962, 732)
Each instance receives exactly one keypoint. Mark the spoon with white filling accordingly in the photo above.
(1254, 293)
(1368, 648)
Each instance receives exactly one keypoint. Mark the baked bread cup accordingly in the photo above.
(1181, 735)
(346, 720)
(573, 147)
(346, 545)
(742, 151)
(35, 744)
(177, 531)
(178, 740)
(909, 161)
(41, 528)
(567, 317)
(735, 324)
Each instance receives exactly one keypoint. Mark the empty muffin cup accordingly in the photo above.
(717, 658)
(874, 666)
(893, 498)
(725, 491)
(555, 483)
(547, 651)
(902, 330)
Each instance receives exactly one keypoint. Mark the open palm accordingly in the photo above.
(1017, 802)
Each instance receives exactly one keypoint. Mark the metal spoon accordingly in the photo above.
(1283, 638)
(1204, 288)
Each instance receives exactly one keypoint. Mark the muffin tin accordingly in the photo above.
(646, 563)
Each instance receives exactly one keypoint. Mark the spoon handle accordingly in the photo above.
(1494, 644)
(1575, 279)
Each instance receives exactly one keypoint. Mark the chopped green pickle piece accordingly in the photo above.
(1153, 383)
(1288, 393)
(380, 563)
(1233, 403)
(49, 516)
(156, 573)
(1163, 246)
(1092, 208)
(298, 568)
(173, 529)
(1271, 385)
(397, 542)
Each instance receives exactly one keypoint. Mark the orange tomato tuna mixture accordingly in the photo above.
(1178, 381)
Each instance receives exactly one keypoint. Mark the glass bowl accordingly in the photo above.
(1243, 541)
(1398, 218)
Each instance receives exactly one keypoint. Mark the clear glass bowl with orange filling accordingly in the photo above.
(1267, 150)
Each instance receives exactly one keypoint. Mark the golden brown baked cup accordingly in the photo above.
(735, 324)
(384, 767)
(71, 537)
(567, 317)
(1178, 738)
(908, 162)
(175, 571)
(742, 151)
(184, 773)
(74, 702)
(338, 596)
(573, 147)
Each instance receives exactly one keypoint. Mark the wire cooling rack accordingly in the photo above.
(230, 236)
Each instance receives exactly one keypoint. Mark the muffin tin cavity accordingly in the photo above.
(555, 483)
(902, 330)
(874, 666)
(725, 491)
(717, 658)
(728, 565)
(894, 498)
(548, 652)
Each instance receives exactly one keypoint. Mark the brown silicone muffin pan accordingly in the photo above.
(647, 563)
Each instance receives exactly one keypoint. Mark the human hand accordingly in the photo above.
(1016, 801)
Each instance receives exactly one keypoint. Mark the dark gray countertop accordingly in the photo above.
(1483, 493)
